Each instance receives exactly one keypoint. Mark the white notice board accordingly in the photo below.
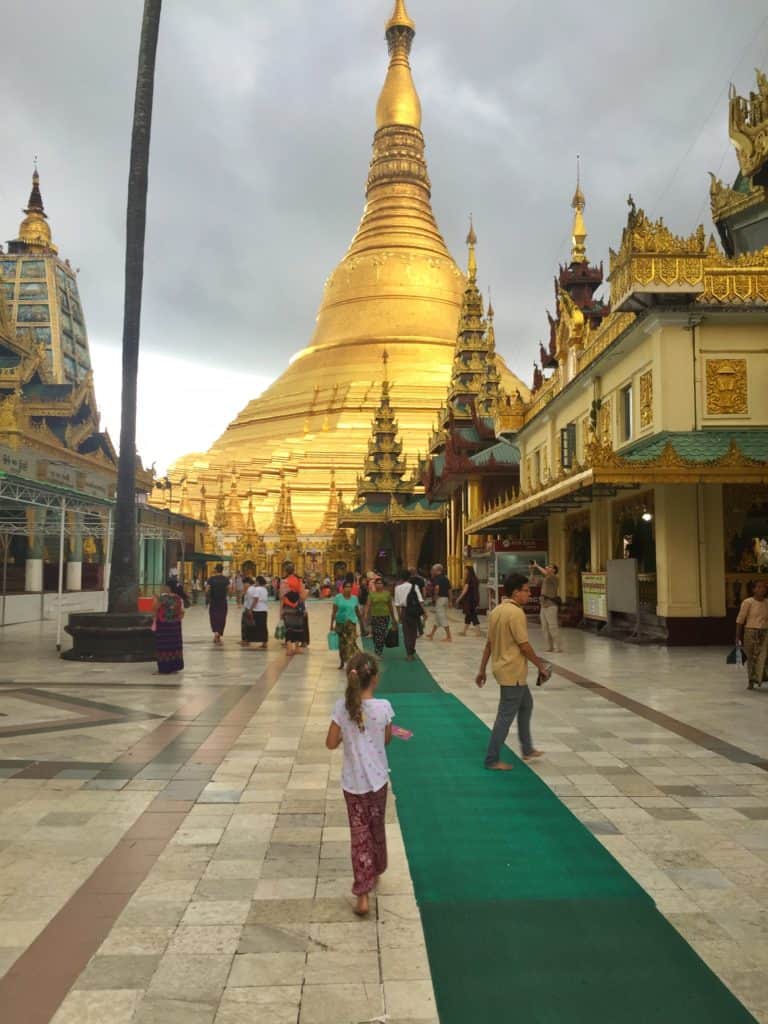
(622, 587)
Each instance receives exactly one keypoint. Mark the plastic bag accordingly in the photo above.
(737, 657)
(333, 640)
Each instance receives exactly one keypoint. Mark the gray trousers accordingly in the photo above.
(513, 700)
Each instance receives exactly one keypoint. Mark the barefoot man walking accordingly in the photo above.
(509, 651)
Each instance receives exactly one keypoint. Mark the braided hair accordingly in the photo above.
(361, 670)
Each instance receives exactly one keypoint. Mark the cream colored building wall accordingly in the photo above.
(688, 518)
(675, 354)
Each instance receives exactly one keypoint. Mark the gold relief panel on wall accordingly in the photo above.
(604, 422)
(646, 399)
(726, 387)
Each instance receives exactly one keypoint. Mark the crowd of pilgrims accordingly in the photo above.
(364, 600)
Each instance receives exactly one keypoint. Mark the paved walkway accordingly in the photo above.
(178, 851)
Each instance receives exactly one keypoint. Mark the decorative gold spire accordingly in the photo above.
(185, 509)
(331, 517)
(203, 513)
(235, 521)
(748, 126)
(34, 230)
(490, 387)
(399, 102)
(289, 536)
(220, 515)
(471, 259)
(277, 518)
(384, 467)
(470, 355)
(579, 231)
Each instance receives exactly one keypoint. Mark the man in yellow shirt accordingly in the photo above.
(510, 651)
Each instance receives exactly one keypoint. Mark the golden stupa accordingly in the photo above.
(397, 288)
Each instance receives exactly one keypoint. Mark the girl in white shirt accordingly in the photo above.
(364, 725)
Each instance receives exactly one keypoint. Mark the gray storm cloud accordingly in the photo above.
(264, 115)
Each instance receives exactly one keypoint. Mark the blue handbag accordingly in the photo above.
(333, 640)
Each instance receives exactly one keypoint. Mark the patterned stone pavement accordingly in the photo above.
(178, 851)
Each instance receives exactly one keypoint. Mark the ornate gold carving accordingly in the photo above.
(651, 256)
(726, 202)
(10, 412)
(646, 399)
(74, 435)
(735, 458)
(599, 453)
(748, 126)
(726, 387)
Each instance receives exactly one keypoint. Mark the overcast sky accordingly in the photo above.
(264, 115)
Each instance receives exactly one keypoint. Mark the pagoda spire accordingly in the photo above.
(579, 231)
(490, 387)
(471, 353)
(331, 517)
(34, 230)
(234, 509)
(185, 509)
(384, 466)
(250, 522)
(220, 515)
(289, 535)
(203, 512)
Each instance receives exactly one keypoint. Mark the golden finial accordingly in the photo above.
(399, 102)
(400, 17)
(472, 260)
(579, 231)
(385, 360)
(578, 202)
(34, 230)
(490, 305)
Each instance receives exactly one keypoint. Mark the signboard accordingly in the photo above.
(622, 586)
(595, 595)
(535, 545)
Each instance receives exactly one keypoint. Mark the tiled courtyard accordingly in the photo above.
(177, 851)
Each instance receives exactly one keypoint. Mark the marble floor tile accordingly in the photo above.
(340, 1003)
(267, 969)
(190, 978)
(99, 1007)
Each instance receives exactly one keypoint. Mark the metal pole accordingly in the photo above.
(6, 545)
(107, 549)
(61, 573)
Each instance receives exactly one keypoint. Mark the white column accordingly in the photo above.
(74, 575)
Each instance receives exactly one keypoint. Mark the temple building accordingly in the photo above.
(396, 289)
(58, 469)
(648, 441)
(41, 290)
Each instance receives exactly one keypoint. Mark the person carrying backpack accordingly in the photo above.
(409, 602)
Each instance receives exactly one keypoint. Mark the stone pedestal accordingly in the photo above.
(105, 636)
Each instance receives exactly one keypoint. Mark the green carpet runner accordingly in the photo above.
(527, 917)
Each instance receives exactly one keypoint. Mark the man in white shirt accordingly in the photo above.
(409, 602)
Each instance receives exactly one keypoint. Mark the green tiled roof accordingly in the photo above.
(701, 445)
(424, 503)
(502, 453)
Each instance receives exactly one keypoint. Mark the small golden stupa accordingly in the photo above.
(397, 289)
